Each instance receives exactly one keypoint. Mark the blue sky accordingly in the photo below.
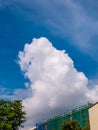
(70, 25)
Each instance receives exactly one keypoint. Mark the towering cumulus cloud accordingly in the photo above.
(54, 82)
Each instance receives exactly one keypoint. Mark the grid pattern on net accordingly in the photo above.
(80, 114)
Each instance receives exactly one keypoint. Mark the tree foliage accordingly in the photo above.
(70, 125)
(12, 115)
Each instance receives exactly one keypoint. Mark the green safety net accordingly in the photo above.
(80, 114)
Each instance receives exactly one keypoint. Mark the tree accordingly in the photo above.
(87, 125)
(12, 115)
(70, 125)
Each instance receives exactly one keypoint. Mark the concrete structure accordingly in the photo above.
(93, 117)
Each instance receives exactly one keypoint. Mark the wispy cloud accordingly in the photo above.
(72, 22)
(5, 93)
(67, 19)
(14, 94)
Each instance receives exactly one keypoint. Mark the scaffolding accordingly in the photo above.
(80, 114)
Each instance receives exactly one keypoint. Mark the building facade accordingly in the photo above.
(93, 117)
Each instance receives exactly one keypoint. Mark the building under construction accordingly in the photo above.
(80, 114)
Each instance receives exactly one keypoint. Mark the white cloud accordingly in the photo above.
(55, 83)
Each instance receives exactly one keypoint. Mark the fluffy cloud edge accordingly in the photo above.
(54, 81)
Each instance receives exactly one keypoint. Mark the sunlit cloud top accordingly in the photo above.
(54, 81)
